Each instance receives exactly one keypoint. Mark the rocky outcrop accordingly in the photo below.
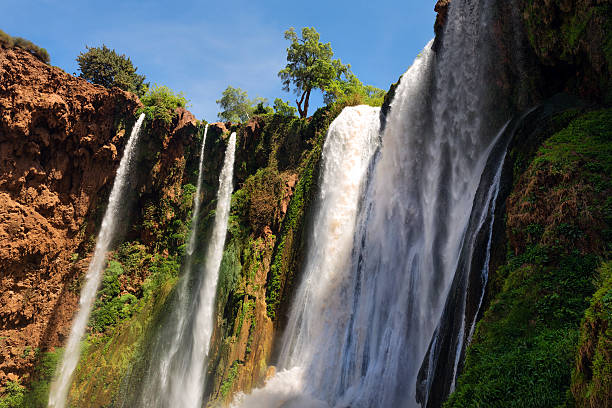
(573, 42)
(60, 141)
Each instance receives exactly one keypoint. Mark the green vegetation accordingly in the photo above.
(592, 376)
(27, 45)
(13, 395)
(283, 108)
(229, 380)
(559, 221)
(237, 107)
(103, 66)
(37, 393)
(352, 91)
(309, 66)
(160, 102)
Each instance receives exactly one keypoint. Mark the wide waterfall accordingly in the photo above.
(72, 352)
(176, 375)
(362, 322)
(318, 317)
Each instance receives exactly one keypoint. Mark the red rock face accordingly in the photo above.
(60, 143)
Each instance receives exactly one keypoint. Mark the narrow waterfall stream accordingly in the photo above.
(72, 352)
(179, 354)
(169, 340)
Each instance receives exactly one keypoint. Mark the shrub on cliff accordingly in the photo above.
(283, 108)
(103, 66)
(237, 107)
(160, 102)
(27, 45)
(352, 91)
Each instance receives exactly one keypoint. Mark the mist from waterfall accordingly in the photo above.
(63, 378)
(176, 376)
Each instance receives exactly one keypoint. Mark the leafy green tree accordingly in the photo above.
(237, 107)
(160, 102)
(283, 108)
(262, 108)
(309, 66)
(352, 91)
(105, 67)
(235, 104)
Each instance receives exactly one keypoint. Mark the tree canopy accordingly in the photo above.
(309, 66)
(160, 102)
(237, 107)
(103, 66)
(353, 92)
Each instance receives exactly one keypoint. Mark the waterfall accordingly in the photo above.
(170, 338)
(318, 317)
(179, 354)
(189, 383)
(358, 337)
(61, 384)
(197, 201)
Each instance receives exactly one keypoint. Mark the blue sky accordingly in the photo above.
(201, 47)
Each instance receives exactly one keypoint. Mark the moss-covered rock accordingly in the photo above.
(592, 377)
(558, 229)
(573, 39)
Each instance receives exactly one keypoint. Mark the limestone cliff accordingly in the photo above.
(60, 138)
(60, 143)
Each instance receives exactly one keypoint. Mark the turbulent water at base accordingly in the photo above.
(363, 318)
(72, 352)
(176, 375)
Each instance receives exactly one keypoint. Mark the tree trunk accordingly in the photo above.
(306, 103)
(303, 100)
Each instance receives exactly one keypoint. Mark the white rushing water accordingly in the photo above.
(170, 340)
(197, 201)
(61, 384)
(363, 317)
(317, 315)
(180, 353)
(190, 383)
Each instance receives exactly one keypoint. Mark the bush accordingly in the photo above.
(161, 102)
(27, 45)
(283, 108)
(103, 66)
(13, 395)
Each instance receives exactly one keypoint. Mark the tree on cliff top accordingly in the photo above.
(237, 107)
(105, 67)
(309, 66)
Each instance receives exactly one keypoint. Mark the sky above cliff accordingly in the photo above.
(201, 47)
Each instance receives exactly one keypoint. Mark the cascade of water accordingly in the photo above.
(318, 317)
(197, 200)
(359, 340)
(461, 309)
(61, 383)
(177, 379)
(169, 340)
(189, 383)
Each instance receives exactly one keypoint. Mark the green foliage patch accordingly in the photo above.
(104, 66)
(524, 348)
(592, 376)
(160, 102)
